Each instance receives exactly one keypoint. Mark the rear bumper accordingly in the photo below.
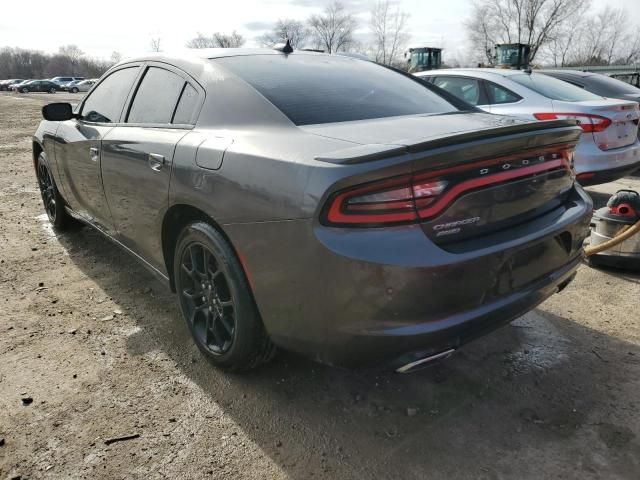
(359, 297)
(594, 166)
(604, 176)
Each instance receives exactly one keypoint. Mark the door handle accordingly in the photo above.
(156, 161)
(94, 154)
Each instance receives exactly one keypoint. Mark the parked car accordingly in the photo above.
(318, 203)
(81, 86)
(67, 86)
(632, 78)
(7, 84)
(17, 85)
(608, 149)
(37, 86)
(63, 80)
(596, 83)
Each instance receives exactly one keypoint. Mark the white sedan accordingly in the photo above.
(608, 149)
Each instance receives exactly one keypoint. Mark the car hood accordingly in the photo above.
(410, 129)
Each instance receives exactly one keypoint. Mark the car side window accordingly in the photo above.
(186, 106)
(499, 95)
(157, 97)
(105, 103)
(467, 89)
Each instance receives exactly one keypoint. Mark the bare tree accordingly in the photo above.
(533, 22)
(155, 44)
(297, 33)
(231, 40)
(201, 41)
(389, 28)
(217, 40)
(116, 56)
(333, 29)
(73, 54)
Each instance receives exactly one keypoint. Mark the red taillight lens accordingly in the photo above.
(412, 198)
(586, 121)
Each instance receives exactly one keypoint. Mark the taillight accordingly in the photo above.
(412, 198)
(586, 121)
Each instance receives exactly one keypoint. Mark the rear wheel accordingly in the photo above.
(216, 301)
(52, 90)
(53, 202)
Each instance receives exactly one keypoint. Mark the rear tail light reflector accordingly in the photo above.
(412, 198)
(586, 121)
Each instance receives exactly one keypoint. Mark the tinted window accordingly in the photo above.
(608, 87)
(156, 98)
(467, 89)
(312, 89)
(498, 94)
(106, 101)
(553, 88)
(186, 106)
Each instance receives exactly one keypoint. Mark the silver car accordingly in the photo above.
(81, 86)
(608, 149)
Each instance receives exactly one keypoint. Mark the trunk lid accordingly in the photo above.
(470, 174)
(623, 116)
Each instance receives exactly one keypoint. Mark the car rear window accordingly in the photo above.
(607, 86)
(553, 88)
(312, 89)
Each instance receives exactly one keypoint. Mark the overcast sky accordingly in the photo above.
(127, 26)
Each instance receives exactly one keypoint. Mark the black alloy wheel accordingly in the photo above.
(51, 198)
(47, 191)
(216, 300)
(206, 295)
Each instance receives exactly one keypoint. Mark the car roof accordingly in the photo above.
(575, 73)
(503, 72)
(211, 53)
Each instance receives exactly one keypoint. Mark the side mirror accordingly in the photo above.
(57, 112)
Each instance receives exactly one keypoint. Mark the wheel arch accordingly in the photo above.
(175, 219)
(36, 149)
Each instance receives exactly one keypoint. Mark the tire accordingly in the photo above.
(25, 90)
(52, 90)
(51, 198)
(74, 90)
(216, 301)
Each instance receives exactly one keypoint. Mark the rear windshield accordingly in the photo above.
(553, 88)
(607, 86)
(312, 89)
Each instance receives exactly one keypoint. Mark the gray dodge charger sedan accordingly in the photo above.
(318, 203)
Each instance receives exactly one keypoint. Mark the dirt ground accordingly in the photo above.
(100, 349)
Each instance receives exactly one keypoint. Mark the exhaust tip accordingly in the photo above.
(412, 366)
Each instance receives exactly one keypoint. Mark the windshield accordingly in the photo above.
(553, 88)
(315, 89)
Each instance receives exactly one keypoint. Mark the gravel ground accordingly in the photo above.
(92, 348)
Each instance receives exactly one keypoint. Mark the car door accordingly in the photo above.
(468, 89)
(138, 154)
(79, 145)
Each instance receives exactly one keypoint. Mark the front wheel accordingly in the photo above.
(52, 90)
(51, 198)
(25, 90)
(216, 301)
(74, 90)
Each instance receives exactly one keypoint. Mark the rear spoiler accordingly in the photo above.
(562, 132)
